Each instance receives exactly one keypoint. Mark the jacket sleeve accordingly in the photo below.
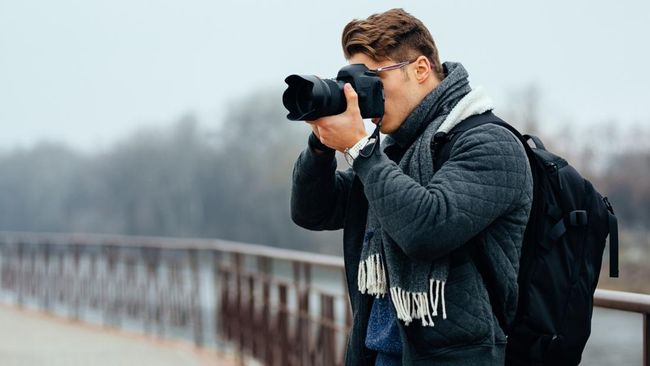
(319, 192)
(486, 175)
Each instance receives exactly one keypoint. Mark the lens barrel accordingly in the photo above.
(308, 97)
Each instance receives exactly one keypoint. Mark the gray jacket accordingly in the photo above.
(484, 191)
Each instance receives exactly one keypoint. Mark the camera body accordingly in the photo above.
(309, 97)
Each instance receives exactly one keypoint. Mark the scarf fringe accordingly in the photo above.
(371, 279)
(372, 276)
(420, 305)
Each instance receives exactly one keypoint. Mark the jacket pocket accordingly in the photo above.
(469, 315)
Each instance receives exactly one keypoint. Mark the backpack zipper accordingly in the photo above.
(556, 171)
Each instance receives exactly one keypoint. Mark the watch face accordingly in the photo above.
(367, 149)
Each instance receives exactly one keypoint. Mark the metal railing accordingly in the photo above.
(277, 306)
(630, 302)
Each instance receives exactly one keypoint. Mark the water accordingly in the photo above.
(616, 339)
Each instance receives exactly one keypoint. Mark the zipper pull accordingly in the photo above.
(556, 170)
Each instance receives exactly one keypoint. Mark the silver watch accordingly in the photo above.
(351, 153)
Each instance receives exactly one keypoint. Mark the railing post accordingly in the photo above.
(225, 309)
(283, 325)
(221, 279)
(93, 301)
(19, 275)
(60, 281)
(3, 264)
(264, 268)
(111, 312)
(33, 279)
(150, 257)
(328, 340)
(239, 302)
(298, 345)
(130, 279)
(302, 341)
(220, 284)
(197, 316)
(250, 324)
(646, 339)
(75, 282)
(174, 288)
(46, 288)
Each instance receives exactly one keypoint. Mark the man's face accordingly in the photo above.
(401, 92)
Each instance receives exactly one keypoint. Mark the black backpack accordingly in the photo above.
(561, 254)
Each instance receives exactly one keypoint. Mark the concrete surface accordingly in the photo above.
(29, 337)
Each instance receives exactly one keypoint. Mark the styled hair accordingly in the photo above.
(394, 34)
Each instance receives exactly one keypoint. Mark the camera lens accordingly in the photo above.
(309, 97)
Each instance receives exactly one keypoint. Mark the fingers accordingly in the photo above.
(352, 98)
(314, 127)
(318, 126)
(321, 129)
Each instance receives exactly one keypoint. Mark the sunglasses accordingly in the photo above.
(391, 67)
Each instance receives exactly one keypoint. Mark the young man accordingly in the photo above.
(416, 294)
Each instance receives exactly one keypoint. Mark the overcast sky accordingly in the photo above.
(90, 72)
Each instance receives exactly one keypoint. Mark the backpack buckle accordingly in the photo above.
(578, 218)
(439, 139)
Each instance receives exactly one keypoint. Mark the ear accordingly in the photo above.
(422, 69)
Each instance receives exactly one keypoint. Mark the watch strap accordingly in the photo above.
(352, 153)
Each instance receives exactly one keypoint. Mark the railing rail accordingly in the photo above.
(274, 305)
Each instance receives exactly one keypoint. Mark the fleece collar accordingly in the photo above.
(475, 102)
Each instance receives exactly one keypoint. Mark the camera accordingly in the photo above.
(309, 97)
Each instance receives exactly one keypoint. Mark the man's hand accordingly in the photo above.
(342, 130)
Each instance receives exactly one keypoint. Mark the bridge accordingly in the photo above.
(106, 299)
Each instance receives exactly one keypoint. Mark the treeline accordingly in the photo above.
(232, 180)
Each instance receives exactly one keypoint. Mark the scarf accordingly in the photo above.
(417, 287)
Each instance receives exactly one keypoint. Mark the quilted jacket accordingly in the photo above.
(484, 191)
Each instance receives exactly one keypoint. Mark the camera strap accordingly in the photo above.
(375, 135)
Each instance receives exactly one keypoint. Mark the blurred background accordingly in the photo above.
(165, 118)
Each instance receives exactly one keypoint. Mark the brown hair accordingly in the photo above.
(394, 34)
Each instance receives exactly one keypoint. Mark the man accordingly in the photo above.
(416, 294)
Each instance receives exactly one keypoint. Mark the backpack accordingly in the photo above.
(561, 254)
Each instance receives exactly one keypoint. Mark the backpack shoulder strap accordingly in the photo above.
(443, 142)
(613, 239)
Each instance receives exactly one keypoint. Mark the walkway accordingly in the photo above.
(32, 338)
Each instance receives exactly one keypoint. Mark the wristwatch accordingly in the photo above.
(352, 153)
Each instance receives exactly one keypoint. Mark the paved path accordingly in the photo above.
(32, 338)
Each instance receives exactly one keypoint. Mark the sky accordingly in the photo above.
(88, 73)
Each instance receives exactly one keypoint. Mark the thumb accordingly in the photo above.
(351, 97)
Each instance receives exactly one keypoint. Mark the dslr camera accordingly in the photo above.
(309, 97)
